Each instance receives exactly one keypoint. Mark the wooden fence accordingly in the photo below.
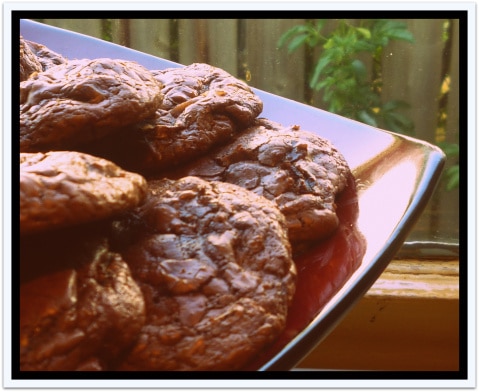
(417, 73)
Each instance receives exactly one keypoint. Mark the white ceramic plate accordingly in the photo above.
(395, 175)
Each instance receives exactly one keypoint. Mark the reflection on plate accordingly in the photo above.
(395, 176)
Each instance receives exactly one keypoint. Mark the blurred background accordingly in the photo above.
(399, 75)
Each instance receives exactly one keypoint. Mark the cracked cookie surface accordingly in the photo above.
(46, 57)
(62, 188)
(203, 106)
(214, 264)
(298, 170)
(74, 103)
(29, 62)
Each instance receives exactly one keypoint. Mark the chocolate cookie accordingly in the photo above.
(29, 63)
(83, 100)
(203, 106)
(298, 170)
(214, 264)
(190, 90)
(46, 57)
(80, 309)
(62, 188)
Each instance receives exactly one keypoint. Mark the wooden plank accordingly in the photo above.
(211, 41)
(269, 68)
(193, 45)
(452, 124)
(223, 40)
(412, 72)
(439, 268)
(418, 279)
(151, 36)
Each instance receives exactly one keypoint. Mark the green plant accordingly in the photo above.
(348, 88)
(451, 174)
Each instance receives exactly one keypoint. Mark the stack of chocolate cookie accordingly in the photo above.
(159, 215)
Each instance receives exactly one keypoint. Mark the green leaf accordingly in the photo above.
(313, 40)
(320, 24)
(366, 33)
(367, 118)
(346, 85)
(395, 104)
(364, 46)
(296, 42)
(403, 35)
(327, 82)
(384, 30)
(300, 29)
(320, 65)
(398, 123)
(329, 94)
(335, 105)
(450, 149)
(359, 69)
(329, 44)
(339, 56)
(452, 175)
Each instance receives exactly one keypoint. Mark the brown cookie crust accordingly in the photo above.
(298, 170)
(82, 312)
(46, 57)
(214, 264)
(203, 106)
(204, 85)
(83, 100)
(62, 188)
(29, 63)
